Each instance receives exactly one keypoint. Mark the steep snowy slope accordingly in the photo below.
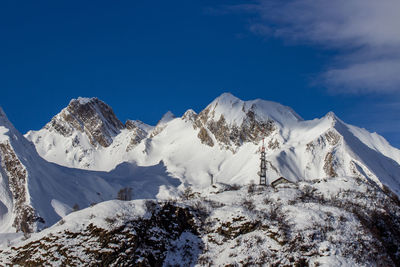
(221, 144)
(35, 193)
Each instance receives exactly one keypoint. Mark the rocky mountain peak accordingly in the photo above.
(189, 115)
(88, 115)
(233, 121)
(332, 117)
(334, 122)
(226, 99)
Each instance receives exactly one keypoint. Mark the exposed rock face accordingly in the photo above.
(220, 130)
(17, 179)
(329, 139)
(327, 143)
(91, 116)
(332, 137)
(205, 138)
(190, 115)
(251, 129)
(137, 134)
(273, 144)
(329, 166)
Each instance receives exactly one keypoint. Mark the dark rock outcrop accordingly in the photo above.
(252, 129)
(17, 178)
(137, 134)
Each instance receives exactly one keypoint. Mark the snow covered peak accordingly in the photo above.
(226, 98)
(332, 116)
(189, 115)
(236, 110)
(85, 100)
(167, 117)
(4, 126)
(3, 118)
(7, 129)
(333, 121)
(82, 101)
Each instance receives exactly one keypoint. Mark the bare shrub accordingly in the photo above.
(235, 187)
(151, 206)
(125, 194)
(259, 240)
(214, 204)
(248, 204)
(75, 207)
(110, 220)
(268, 201)
(252, 187)
(188, 193)
(307, 193)
(205, 260)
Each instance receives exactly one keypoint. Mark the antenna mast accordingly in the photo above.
(263, 166)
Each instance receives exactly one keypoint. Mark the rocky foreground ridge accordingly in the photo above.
(336, 222)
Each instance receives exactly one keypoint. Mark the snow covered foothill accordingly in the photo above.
(114, 233)
(354, 223)
(309, 223)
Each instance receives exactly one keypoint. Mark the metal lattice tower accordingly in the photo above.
(263, 167)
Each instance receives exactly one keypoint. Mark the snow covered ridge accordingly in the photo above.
(340, 221)
(220, 143)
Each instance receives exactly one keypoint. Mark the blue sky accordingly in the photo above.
(147, 57)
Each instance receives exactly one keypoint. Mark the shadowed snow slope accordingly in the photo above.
(36, 193)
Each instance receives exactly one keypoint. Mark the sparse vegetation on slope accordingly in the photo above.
(334, 221)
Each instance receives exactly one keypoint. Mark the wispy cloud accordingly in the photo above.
(366, 33)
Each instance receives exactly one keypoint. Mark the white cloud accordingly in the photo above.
(369, 76)
(365, 32)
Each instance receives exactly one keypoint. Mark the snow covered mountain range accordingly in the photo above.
(222, 142)
(86, 155)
